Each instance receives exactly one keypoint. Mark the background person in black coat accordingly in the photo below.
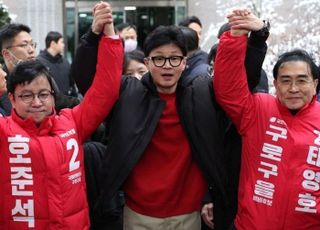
(197, 64)
(59, 67)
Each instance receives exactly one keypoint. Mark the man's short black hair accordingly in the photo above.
(191, 37)
(192, 19)
(9, 32)
(123, 26)
(296, 55)
(164, 35)
(225, 27)
(52, 36)
(136, 55)
(25, 72)
(212, 54)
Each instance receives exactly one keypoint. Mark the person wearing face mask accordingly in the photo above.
(83, 66)
(128, 32)
(16, 46)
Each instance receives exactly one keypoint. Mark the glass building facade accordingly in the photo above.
(145, 14)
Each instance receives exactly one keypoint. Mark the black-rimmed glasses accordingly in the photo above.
(25, 45)
(160, 61)
(28, 97)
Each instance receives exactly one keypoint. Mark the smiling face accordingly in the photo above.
(36, 109)
(166, 77)
(295, 86)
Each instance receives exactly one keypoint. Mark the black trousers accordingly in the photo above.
(205, 227)
(232, 227)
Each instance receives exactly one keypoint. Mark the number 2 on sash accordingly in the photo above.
(72, 144)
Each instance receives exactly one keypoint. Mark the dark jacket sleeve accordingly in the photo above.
(5, 105)
(83, 66)
(255, 54)
(111, 214)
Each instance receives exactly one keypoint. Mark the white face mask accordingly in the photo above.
(16, 61)
(130, 45)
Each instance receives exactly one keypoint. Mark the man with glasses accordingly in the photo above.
(17, 46)
(280, 172)
(151, 153)
(160, 61)
(42, 184)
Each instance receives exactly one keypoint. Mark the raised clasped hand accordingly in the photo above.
(242, 21)
(102, 19)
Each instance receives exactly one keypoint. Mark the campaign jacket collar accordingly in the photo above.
(284, 110)
(30, 126)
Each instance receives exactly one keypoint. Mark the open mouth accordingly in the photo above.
(167, 76)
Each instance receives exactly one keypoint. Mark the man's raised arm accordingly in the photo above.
(104, 91)
(230, 82)
(84, 63)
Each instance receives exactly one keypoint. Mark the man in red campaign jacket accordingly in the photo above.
(41, 159)
(280, 170)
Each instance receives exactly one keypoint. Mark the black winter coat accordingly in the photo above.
(59, 68)
(197, 65)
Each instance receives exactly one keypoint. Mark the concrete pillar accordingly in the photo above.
(41, 16)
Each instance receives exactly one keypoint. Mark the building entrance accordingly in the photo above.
(145, 15)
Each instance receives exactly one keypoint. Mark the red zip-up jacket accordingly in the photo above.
(42, 182)
(280, 169)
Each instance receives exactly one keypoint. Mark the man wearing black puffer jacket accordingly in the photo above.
(168, 137)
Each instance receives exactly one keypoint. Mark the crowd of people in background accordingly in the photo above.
(160, 135)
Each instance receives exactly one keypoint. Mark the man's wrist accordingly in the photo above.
(90, 38)
(258, 38)
(265, 28)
